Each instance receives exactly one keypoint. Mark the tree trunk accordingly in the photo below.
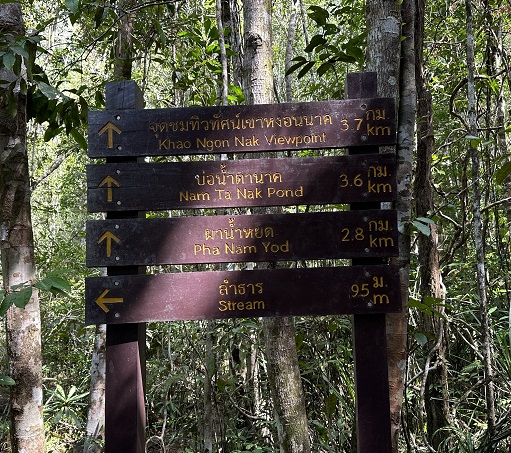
(281, 355)
(17, 251)
(231, 22)
(383, 47)
(209, 421)
(123, 50)
(96, 413)
(224, 85)
(286, 385)
(478, 230)
(291, 31)
(436, 400)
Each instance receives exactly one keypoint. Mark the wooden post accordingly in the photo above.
(125, 343)
(369, 338)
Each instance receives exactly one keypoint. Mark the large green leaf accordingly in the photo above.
(20, 298)
(73, 5)
(502, 173)
(6, 380)
(53, 283)
(8, 60)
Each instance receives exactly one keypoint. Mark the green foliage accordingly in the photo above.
(68, 55)
(66, 407)
(46, 103)
(20, 296)
(335, 44)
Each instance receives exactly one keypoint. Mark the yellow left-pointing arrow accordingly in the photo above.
(108, 236)
(102, 300)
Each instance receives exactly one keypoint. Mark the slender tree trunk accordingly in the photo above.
(224, 86)
(384, 54)
(478, 229)
(17, 252)
(209, 424)
(436, 401)
(290, 48)
(279, 333)
(123, 50)
(96, 413)
(231, 22)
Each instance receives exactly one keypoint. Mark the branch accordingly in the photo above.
(457, 88)
(51, 169)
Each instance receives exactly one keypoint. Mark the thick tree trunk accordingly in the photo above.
(17, 251)
(384, 54)
(281, 355)
(286, 385)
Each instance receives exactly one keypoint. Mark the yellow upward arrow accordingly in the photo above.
(102, 300)
(109, 181)
(109, 128)
(108, 236)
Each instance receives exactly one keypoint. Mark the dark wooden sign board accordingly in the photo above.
(242, 294)
(233, 183)
(242, 129)
(242, 238)
(127, 298)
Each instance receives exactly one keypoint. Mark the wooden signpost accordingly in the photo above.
(223, 239)
(242, 129)
(236, 183)
(243, 294)
(126, 298)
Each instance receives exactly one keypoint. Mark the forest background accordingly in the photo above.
(208, 383)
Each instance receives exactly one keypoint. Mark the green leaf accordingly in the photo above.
(6, 380)
(421, 338)
(324, 68)
(413, 303)
(18, 50)
(474, 140)
(424, 229)
(316, 41)
(9, 59)
(5, 304)
(52, 132)
(53, 284)
(79, 138)
(331, 404)
(294, 67)
(305, 69)
(425, 220)
(318, 15)
(502, 173)
(20, 298)
(73, 5)
(48, 91)
(98, 15)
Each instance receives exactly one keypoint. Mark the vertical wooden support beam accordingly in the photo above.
(125, 343)
(369, 339)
